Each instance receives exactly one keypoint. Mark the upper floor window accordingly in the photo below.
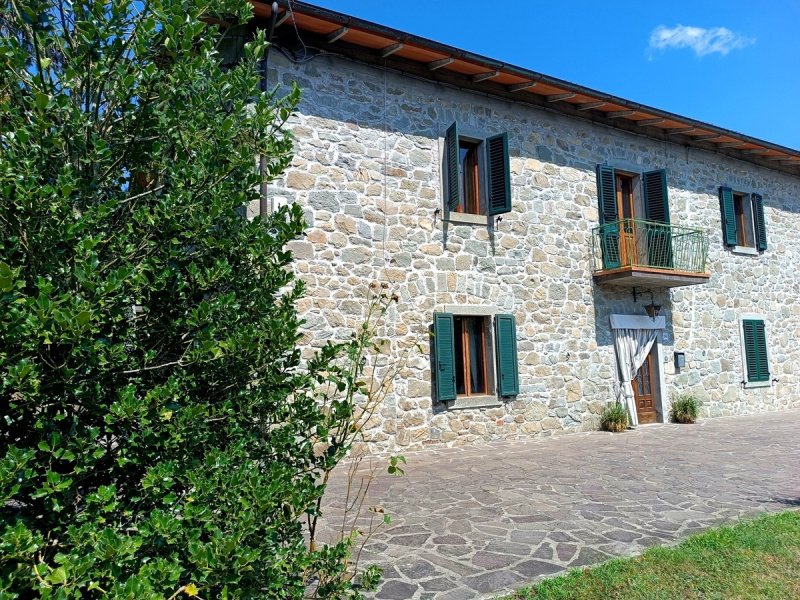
(477, 175)
(469, 198)
(634, 218)
(743, 224)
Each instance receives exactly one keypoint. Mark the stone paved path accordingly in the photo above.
(484, 520)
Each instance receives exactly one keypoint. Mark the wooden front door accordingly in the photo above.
(645, 386)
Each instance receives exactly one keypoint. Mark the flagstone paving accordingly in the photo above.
(483, 520)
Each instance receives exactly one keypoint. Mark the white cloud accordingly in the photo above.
(702, 41)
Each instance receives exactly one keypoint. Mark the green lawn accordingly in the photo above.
(757, 559)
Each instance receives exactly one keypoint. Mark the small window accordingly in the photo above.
(745, 236)
(472, 358)
(477, 176)
(743, 224)
(469, 200)
(754, 351)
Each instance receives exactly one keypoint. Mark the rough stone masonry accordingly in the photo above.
(368, 174)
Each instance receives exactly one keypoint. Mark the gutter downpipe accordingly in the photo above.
(263, 200)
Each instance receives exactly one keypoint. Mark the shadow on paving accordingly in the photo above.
(487, 519)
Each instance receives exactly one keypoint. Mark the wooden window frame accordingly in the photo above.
(743, 202)
(472, 204)
(464, 366)
(622, 176)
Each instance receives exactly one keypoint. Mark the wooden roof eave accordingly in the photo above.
(757, 151)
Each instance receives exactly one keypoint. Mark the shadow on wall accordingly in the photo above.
(610, 300)
(363, 96)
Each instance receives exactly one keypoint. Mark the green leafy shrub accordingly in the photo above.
(684, 409)
(614, 418)
(158, 434)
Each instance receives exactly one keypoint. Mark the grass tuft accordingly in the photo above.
(684, 409)
(614, 418)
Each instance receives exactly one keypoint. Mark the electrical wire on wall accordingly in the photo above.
(385, 165)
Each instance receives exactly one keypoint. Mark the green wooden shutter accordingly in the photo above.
(656, 201)
(761, 344)
(607, 206)
(758, 221)
(505, 336)
(453, 163)
(755, 350)
(728, 216)
(607, 194)
(498, 174)
(656, 208)
(445, 356)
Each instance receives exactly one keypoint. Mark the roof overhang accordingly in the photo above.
(368, 42)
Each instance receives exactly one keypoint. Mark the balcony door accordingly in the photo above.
(626, 209)
(634, 219)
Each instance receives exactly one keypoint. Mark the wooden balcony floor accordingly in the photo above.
(635, 276)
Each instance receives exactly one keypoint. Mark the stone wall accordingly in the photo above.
(368, 174)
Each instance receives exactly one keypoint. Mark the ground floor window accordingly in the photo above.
(474, 355)
(754, 351)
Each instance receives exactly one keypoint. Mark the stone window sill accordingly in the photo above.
(466, 219)
(757, 384)
(475, 402)
(745, 250)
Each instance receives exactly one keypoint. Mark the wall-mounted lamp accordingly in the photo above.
(651, 309)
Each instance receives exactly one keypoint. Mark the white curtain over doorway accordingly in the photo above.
(634, 336)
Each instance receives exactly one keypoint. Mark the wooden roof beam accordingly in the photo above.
(707, 138)
(619, 114)
(559, 97)
(484, 76)
(731, 144)
(591, 105)
(756, 151)
(335, 36)
(515, 87)
(647, 122)
(391, 49)
(680, 131)
(438, 64)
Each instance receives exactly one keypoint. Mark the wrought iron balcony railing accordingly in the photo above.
(635, 243)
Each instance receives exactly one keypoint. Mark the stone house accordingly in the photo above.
(565, 247)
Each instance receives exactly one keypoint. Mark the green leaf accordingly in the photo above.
(41, 99)
(83, 317)
(6, 277)
(57, 576)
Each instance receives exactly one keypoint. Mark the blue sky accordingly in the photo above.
(735, 63)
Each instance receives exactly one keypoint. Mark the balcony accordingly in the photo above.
(636, 253)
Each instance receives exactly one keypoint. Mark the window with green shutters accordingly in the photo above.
(634, 209)
(754, 349)
(463, 347)
(477, 174)
(743, 224)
